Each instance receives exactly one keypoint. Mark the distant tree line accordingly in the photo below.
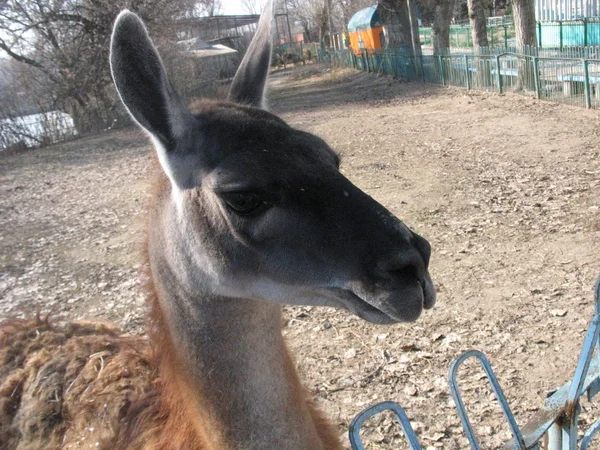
(56, 53)
(320, 17)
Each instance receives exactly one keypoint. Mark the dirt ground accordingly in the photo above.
(506, 189)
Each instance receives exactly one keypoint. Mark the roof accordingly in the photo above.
(225, 22)
(200, 49)
(365, 19)
(217, 49)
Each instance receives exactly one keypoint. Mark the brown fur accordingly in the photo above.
(63, 386)
(85, 384)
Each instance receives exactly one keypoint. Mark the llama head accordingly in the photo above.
(258, 209)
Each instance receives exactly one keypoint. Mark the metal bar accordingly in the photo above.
(498, 71)
(363, 416)
(586, 81)
(538, 81)
(597, 314)
(569, 431)
(460, 406)
(583, 365)
(589, 435)
(555, 437)
(442, 71)
(560, 34)
(552, 409)
(467, 73)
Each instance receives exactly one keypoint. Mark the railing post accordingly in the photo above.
(586, 81)
(555, 437)
(585, 32)
(422, 69)
(498, 73)
(442, 70)
(539, 34)
(536, 74)
(560, 34)
(467, 72)
(505, 37)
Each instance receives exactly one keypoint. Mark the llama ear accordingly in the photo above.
(248, 86)
(142, 83)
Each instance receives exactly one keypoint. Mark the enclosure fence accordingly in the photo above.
(460, 36)
(570, 80)
(558, 34)
(35, 130)
(564, 33)
(556, 421)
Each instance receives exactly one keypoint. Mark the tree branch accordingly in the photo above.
(20, 58)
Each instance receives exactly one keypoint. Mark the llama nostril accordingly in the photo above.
(409, 272)
(404, 267)
(423, 247)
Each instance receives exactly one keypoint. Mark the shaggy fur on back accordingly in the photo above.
(88, 385)
(68, 386)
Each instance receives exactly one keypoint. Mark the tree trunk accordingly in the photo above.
(416, 41)
(478, 24)
(525, 24)
(395, 13)
(414, 28)
(525, 27)
(442, 17)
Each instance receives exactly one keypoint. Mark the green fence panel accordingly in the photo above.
(574, 81)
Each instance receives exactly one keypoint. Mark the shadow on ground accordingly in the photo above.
(294, 89)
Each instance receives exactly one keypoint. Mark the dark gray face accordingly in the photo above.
(290, 228)
(260, 210)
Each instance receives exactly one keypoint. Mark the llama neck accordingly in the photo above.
(242, 387)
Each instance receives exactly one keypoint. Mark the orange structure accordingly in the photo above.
(365, 30)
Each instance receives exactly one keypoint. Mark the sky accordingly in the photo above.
(236, 7)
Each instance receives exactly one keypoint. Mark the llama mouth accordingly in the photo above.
(403, 305)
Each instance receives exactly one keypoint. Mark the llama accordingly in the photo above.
(247, 214)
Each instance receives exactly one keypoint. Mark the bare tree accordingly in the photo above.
(317, 17)
(525, 24)
(310, 14)
(252, 6)
(478, 23)
(414, 29)
(442, 17)
(62, 48)
(525, 27)
(348, 8)
(203, 8)
(395, 14)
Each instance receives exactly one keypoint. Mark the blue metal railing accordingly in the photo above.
(557, 418)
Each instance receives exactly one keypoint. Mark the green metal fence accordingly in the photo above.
(559, 34)
(566, 33)
(575, 81)
(460, 36)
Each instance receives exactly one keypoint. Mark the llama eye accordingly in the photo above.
(245, 203)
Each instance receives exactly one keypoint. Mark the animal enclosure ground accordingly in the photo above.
(506, 189)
